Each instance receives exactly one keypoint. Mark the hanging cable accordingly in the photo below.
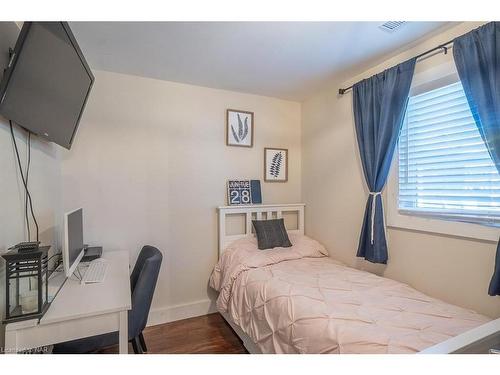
(27, 192)
(28, 146)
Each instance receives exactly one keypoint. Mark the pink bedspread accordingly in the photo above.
(299, 300)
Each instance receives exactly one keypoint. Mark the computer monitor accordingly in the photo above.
(73, 240)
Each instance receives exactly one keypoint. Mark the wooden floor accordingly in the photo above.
(209, 334)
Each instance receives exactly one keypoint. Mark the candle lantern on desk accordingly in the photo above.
(26, 276)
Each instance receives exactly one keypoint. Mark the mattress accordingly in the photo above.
(300, 300)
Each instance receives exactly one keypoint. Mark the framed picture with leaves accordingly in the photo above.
(239, 128)
(275, 164)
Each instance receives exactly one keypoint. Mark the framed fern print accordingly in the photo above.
(239, 128)
(275, 164)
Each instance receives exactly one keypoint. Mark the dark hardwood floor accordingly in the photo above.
(208, 334)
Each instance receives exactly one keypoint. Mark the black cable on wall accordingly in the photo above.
(25, 180)
(27, 184)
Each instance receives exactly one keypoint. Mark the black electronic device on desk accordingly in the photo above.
(22, 247)
(91, 253)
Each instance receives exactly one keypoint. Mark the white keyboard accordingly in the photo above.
(96, 272)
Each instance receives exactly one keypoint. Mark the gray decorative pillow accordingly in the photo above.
(271, 233)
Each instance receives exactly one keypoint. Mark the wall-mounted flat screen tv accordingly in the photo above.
(47, 82)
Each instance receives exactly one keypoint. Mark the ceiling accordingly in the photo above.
(289, 60)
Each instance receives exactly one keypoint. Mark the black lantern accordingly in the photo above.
(26, 276)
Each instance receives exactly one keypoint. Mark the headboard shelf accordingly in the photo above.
(263, 206)
(270, 210)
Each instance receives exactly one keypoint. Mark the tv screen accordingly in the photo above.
(47, 82)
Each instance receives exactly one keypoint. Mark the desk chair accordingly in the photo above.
(142, 282)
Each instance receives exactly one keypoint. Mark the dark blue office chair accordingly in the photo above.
(142, 283)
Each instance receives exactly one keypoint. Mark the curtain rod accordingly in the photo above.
(442, 47)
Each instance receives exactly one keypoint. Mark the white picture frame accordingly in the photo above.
(275, 164)
(239, 128)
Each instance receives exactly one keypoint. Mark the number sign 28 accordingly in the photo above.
(243, 192)
(240, 196)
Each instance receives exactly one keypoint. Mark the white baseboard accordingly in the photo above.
(167, 314)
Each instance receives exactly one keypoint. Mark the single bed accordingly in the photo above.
(300, 300)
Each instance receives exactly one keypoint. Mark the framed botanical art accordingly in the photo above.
(275, 164)
(239, 128)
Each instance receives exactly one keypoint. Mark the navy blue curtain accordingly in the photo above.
(477, 57)
(379, 108)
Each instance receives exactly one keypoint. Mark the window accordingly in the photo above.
(445, 170)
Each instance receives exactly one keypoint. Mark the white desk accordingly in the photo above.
(80, 310)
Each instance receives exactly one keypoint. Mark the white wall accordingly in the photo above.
(44, 185)
(45, 188)
(450, 268)
(149, 166)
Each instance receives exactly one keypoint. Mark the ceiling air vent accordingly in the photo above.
(391, 26)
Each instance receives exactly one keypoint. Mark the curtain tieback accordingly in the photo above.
(374, 205)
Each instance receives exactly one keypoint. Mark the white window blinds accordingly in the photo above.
(444, 167)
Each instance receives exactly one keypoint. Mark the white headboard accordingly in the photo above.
(270, 210)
